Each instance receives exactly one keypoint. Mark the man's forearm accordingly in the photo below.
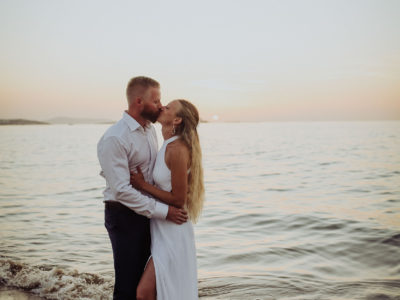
(141, 204)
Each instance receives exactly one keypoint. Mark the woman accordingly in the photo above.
(171, 272)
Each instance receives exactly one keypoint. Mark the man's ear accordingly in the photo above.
(139, 100)
(177, 121)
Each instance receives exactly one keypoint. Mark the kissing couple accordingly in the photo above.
(151, 198)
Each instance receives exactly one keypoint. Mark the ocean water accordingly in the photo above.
(294, 210)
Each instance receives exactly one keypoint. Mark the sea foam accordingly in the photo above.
(53, 282)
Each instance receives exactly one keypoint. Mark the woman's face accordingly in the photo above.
(168, 114)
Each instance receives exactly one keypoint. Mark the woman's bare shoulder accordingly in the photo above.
(178, 147)
(177, 152)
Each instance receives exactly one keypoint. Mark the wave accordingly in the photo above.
(53, 282)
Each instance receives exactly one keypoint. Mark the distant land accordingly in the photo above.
(58, 120)
(21, 122)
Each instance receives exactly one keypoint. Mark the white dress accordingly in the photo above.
(172, 246)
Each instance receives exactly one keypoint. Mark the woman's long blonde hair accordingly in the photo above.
(188, 133)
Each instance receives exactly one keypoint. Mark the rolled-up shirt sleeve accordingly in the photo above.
(114, 163)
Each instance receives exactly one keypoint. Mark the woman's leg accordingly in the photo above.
(146, 289)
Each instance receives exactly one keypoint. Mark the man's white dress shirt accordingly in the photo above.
(123, 147)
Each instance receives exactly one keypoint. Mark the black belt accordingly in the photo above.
(112, 204)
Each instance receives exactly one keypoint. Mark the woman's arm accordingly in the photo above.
(177, 159)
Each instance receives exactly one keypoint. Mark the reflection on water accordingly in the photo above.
(293, 211)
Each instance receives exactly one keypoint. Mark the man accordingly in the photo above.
(126, 145)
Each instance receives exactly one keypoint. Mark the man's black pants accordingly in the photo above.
(130, 239)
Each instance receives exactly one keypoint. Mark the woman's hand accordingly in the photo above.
(137, 179)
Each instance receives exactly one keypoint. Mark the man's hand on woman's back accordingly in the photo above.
(177, 215)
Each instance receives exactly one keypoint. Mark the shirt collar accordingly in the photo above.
(132, 123)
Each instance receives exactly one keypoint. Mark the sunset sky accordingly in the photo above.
(238, 60)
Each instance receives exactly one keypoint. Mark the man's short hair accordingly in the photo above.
(138, 85)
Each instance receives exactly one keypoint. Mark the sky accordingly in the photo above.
(235, 60)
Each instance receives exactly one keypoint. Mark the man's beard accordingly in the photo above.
(150, 115)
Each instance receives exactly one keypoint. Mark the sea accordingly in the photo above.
(293, 210)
